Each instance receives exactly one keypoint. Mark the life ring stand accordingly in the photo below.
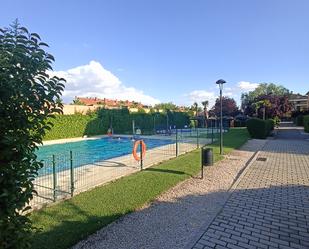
(134, 152)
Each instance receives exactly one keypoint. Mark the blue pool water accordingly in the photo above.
(89, 151)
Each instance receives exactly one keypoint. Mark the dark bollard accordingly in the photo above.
(207, 158)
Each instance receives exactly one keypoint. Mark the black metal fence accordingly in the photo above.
(71, 172)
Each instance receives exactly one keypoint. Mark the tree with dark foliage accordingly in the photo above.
(229, 107)
(28, 96)
(205, 106)
(268, 106)
(268, 100)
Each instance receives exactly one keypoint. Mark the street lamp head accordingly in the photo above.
(220, 83)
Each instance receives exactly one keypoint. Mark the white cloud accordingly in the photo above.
(202, 95)
(247, 86)
(230, 91)
(93, 80)
(229, 94)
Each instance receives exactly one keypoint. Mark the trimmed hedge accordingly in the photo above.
(67, 126)
(122, 120)
(77, 125)
(259, 128)
(270, 124)
(306, 123)
(299, 120)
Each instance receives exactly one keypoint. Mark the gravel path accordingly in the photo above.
(174, 218)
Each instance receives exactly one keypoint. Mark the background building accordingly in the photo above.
(299, 102)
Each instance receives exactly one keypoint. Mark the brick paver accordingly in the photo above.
(269, 208)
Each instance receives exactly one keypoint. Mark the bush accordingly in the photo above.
(306, 123)
(298, 116)
(28, 97)
(297, 113)
(270, 124)
(259, 128)
(65, 126)
(277, 121)
(240, 123)
(299, 120)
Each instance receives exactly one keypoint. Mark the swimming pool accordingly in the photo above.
(89, 152)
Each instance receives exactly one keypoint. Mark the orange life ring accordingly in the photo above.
(134, 152)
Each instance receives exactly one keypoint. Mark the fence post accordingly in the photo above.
(212, 131)
(176, 143)
(72, 173)
(197, 138)
(202, 166)
(141, 154)
(216, 128)
(54, 179)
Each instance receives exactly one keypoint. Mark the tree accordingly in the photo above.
(229, 107)
(195, 106)
(141, 110)
(134, 104)
(268, 100)
(166, 106)
(263, 103)
(194, 111)
(77, 101)
(59, 101)
(262, 90)
(269, 106)
(28, 96)
(205, 105)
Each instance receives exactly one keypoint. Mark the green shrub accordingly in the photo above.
(240, 123)
(270, 124)
(306, 123)
(78, 125)
(28, 97)
(259, 128)
(299, 120)
(67, 126)
(277, 121)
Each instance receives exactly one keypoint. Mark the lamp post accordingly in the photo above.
(155, 115)
(220, 83)
(154, 124)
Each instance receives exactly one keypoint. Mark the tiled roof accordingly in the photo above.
(108, 102)
(298, 96)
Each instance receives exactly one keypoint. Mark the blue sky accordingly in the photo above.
(170, 50)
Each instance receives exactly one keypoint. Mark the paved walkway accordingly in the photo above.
(269, 206)
(170, 221)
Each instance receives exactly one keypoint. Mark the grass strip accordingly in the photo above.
(64, 224)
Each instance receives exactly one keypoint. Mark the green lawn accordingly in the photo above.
(64, 224)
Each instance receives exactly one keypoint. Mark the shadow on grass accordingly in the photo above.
(74, 225)
(166, 171)
(199, 209)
